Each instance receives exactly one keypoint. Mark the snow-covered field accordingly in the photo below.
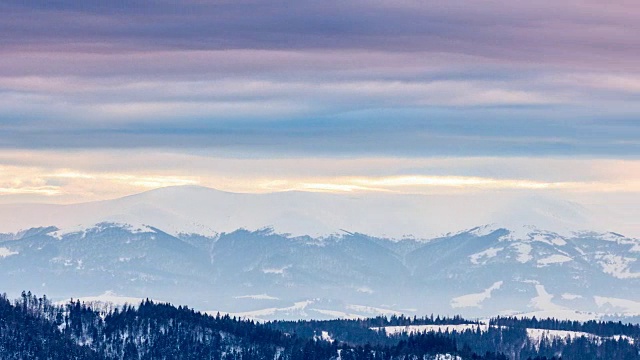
(417, 329)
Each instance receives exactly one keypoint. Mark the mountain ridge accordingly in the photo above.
(477, 273)
(206, 211)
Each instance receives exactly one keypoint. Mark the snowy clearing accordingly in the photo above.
(417, 329)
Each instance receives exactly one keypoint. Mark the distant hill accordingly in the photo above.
(205, 211)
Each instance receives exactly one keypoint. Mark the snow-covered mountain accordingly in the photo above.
(205, 211)
(483, 271)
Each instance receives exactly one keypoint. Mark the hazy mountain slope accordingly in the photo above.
(484, 271)
(207, 211)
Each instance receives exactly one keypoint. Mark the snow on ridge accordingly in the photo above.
(519, 233)
(476, 299)
(317, 214)
(482, 230)
(84, 229)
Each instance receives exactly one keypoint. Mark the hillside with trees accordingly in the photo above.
(33, 327)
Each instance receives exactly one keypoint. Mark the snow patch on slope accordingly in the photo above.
(524, 252)
(338, 314)
(627, 306)
(278, 271)
(554, 259)
(569, 296)
(373, 310)
(364, 290)
(617, 266)
(324, 336)
(4, 252)
(549, 238)
(476, 299)
(544, 300)
(484, 255)
(297, 309)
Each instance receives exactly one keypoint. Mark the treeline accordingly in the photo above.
(358, 331)
(29, 330)
(504, 336)
(515, 343)
(34, 328)
(599, 328)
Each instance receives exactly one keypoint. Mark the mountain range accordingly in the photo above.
(150, 245)
(205, 211)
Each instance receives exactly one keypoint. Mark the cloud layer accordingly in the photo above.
(71, 176)
(402, 78)
(102, 99)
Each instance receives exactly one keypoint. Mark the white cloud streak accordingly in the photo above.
(65, 177)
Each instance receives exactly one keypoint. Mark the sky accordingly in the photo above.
(105, 99)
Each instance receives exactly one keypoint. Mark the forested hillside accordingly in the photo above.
(32, 327)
